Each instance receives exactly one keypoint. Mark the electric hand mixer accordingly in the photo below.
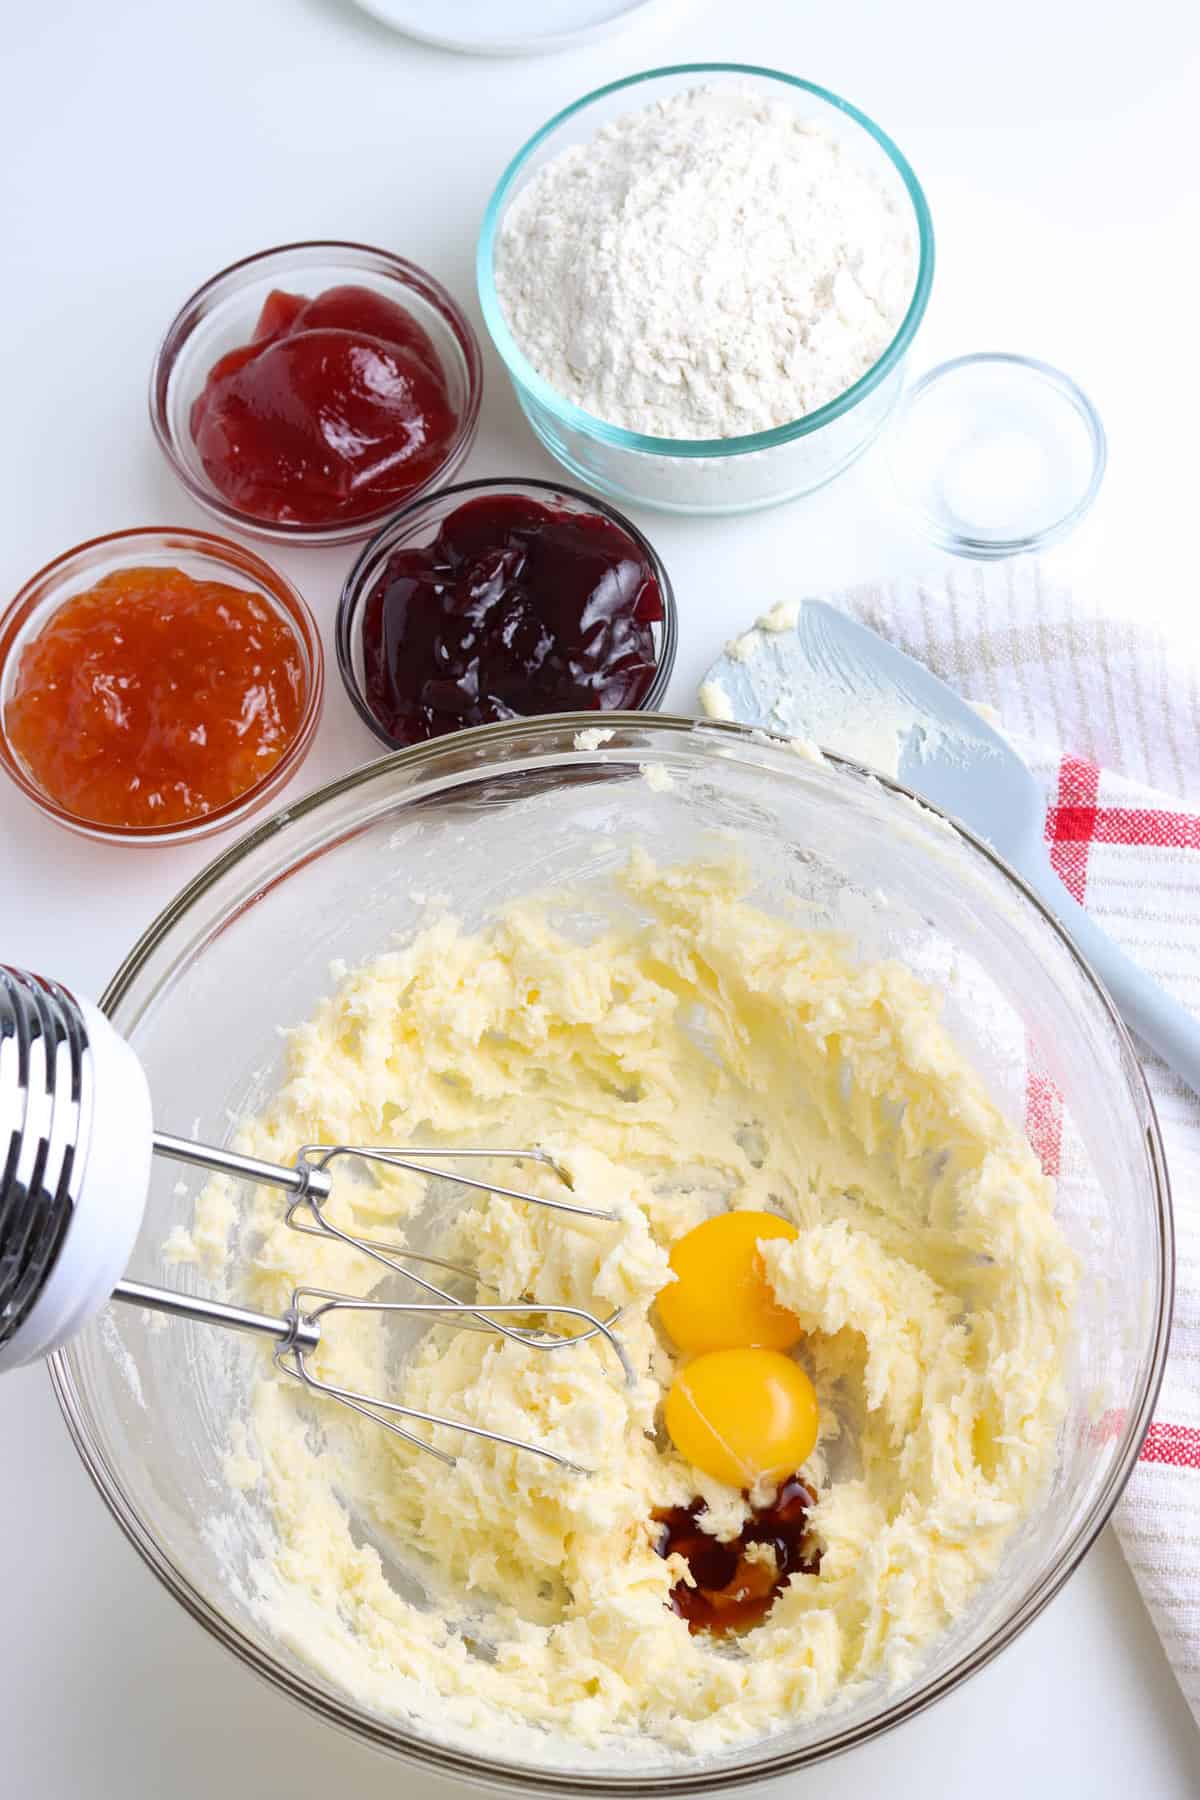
(76, 1141)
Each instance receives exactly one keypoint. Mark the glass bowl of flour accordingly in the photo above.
(703, 282)
(811, 945)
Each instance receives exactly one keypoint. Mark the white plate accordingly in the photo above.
(505, 27)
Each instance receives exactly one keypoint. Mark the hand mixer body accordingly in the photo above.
(76, 1134)
(76, 1142)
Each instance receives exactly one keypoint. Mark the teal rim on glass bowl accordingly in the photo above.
(522, 371)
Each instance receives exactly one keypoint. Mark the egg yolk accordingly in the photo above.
(720, 1299)
(743, 1416)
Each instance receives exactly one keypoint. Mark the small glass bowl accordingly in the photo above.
(418, 522)
(996, 455)
(222, 315)
(709, 475)
(206, 558)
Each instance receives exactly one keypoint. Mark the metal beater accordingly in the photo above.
(76, 1141)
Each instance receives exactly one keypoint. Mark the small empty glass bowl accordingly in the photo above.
(205, 558)
(418, 523)
(221, 316)
(712, 475)
(996, 455)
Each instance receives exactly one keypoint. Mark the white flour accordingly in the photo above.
(709, 266)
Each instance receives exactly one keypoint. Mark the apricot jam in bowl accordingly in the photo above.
(157, 686)
(306, 392)
(500, 599)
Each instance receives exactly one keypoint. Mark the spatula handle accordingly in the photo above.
(1160, 1021)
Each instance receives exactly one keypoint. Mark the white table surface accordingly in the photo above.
(145, 146)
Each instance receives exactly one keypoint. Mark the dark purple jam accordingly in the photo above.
(733, 1592)
(514, 608)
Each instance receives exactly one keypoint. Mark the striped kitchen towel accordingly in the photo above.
(1115, 710)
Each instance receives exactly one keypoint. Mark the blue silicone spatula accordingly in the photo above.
(951, 757)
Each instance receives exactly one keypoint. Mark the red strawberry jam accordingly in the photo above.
(515, 608)
(336, 407)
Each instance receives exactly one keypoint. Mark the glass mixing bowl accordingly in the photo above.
(485, 816)
(711, 475)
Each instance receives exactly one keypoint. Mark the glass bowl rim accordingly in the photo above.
(516, 1778)
(987, 549)
(233, 559)
(361, 569)
(573, 417)
(407, 275)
